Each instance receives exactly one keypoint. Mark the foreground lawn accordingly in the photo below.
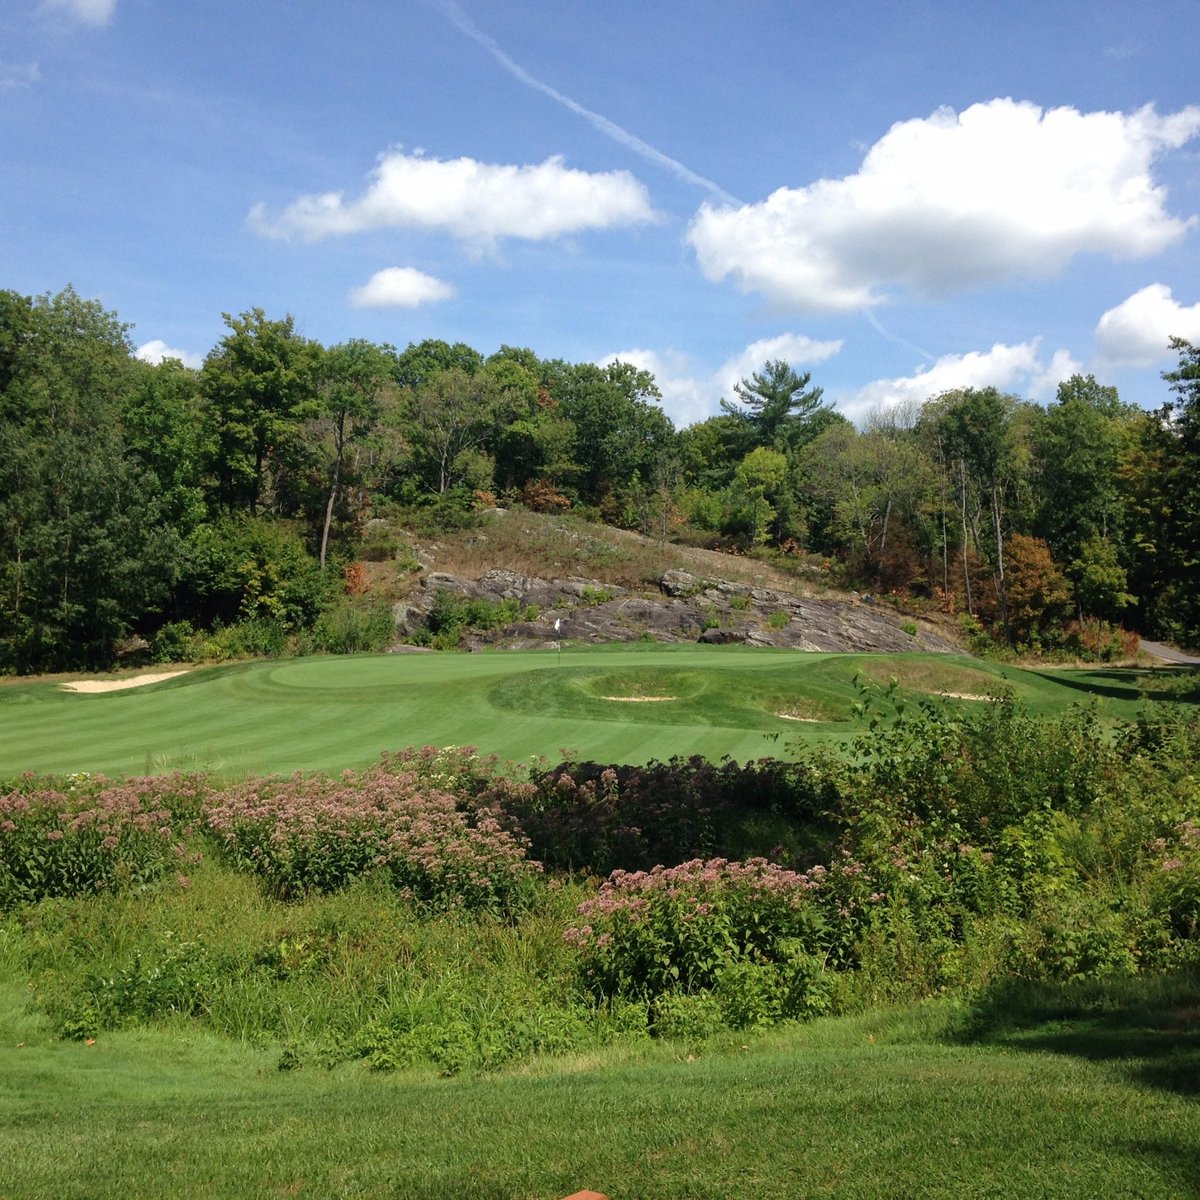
(618, 704)
(906, 1103)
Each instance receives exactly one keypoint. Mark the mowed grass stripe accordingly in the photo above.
(330, 713)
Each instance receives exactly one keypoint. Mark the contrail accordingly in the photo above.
(884, 332)
(609, 128)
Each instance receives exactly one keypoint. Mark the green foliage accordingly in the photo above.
(259, 385)
(87, 541)
(687, 928)
(450, 615)
(314, 834)
(352, 627)
(249, 570)
(177, 641)
(179, 977)
(88, 836)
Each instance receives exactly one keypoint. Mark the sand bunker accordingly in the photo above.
(960, 696)
(795, 716)
(91, 686)
(639, 699)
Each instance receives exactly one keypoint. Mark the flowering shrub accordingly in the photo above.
(736, 927)
(317, 834)
(1177, 887)
(85, 835)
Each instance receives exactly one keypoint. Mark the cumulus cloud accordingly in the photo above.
(1017, 369)
(689, 396)
(90, 12)
(1002, 190)
(157, 350)
(18, 75)
(1139, 330)
(400, 287)
(477, 202)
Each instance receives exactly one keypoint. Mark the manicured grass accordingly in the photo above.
(888, 1104)
(330, 713)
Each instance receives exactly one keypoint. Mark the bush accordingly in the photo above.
(680, 929)
(316, 834)
(87, 836)
(177, 641)
(353, 628)
(600, 818)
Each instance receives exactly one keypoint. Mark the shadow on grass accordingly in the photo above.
(1124, 685)
(1148, 1028)
(1175, 683)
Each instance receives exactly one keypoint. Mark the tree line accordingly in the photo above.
(137, 498)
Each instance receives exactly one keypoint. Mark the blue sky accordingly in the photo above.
(898, 198)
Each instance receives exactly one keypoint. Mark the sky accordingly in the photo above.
(898, 198)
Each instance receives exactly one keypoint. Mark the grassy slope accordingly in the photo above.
(880, 1105)
(330, 713)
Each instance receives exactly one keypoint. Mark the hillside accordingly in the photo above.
(535, 578)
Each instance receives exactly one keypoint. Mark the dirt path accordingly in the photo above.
(1169, 653)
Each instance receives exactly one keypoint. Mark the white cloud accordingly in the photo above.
(1010, 368)
(90, 12)
(1044, 384)
(156, 350)
(793, 348)
(1138, 331)
(1002, 190)
(689, 398)
(477, 202)
(400, 287)
(18, 75)
(686, 399)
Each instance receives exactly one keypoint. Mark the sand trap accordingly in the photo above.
(92, 686)
(960, 696)
(791, 716)
(639, 699)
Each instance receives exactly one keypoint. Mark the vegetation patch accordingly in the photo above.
(934, 676)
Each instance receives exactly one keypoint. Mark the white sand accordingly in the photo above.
(639, 699)
(119, 685)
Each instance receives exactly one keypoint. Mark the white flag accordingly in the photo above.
(557, 624)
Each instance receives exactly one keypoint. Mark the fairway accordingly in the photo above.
(615, 704)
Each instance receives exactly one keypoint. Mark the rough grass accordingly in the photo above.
(904, 1103)
(331, 713)
(546, 546)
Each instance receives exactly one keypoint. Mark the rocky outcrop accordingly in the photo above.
(686, 608)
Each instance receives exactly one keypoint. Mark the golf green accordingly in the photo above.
(618, 704)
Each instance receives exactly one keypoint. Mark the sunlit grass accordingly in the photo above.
(331, 713)
(890, 1104)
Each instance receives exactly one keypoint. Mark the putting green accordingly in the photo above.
(616, 704)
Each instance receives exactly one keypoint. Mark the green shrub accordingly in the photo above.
(89, 836)
(352, 627)
(317, 834)
(676, 929)
(177, 641)
(179, 978)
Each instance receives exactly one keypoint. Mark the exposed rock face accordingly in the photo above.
(687, 608)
